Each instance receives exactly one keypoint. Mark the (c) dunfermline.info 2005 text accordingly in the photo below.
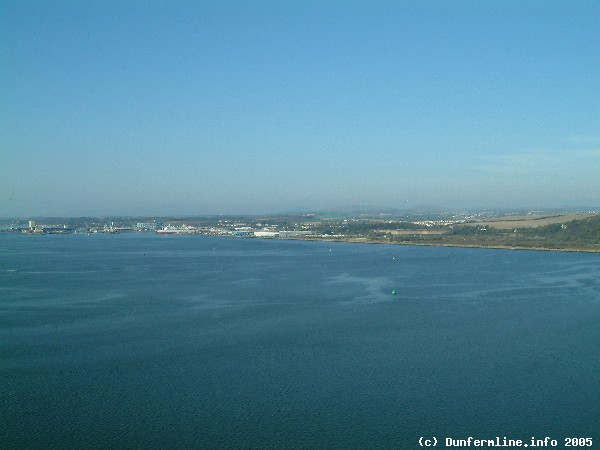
(505, 442)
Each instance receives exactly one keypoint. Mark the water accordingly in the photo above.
(144, 341)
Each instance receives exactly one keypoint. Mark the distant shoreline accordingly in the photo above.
(558, 232)
(366, 240)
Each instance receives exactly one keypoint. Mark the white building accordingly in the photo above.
(266, 234)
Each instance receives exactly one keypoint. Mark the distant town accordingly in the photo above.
(551, 230)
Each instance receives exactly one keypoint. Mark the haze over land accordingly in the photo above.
(172, 108)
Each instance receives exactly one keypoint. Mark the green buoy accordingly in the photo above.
(394, 292)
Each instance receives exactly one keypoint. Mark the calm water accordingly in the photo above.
(144, 341)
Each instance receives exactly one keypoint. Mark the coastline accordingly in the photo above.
(363, 240)
(367, 240)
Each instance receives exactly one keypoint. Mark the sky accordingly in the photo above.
(177, 107)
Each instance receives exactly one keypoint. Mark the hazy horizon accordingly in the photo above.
(345, 211)
(198, 108)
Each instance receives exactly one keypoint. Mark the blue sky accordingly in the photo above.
(191, 107)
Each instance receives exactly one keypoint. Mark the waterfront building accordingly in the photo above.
(266, 233)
